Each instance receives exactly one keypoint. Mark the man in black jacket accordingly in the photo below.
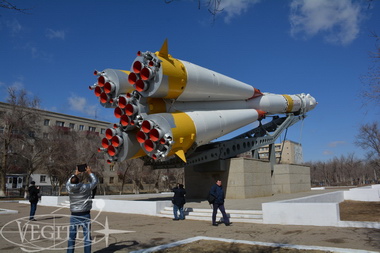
(178, 202)
(33, 199)
(218, 193)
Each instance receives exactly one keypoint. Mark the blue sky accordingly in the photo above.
(284, 47)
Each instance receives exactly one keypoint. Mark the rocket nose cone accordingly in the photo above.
(312, 102)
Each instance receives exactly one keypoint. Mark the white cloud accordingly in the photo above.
(17, 85)
(328, 152)
(337, 21)
(38, 54)
(337, 143)
(232, 8)
(58, 34)
(14, 26)
(79, 104)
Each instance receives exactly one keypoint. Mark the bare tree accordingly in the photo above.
(371, 80)
(213, 6)
(369, 139)
(66, 149)
(7, 4)
(128, 170)
(19, 127)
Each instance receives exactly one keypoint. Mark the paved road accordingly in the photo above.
(110, 232)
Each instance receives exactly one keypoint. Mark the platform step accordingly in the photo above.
(248, 216)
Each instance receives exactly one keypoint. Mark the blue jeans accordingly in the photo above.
(175, 212)
(76, 221)
(215, 208)
(33, 208)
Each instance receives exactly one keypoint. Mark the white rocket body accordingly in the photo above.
(166, 106)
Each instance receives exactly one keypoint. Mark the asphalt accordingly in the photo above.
(116, 232)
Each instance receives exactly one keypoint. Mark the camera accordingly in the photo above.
(82, 167)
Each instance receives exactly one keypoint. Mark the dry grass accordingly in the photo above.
(359, 211)
(349, 211)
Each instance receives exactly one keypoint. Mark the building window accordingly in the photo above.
(111, 180)
(103, 131)
(43, 179)
(101, 180)
(81, 127)
(45, 135)
(60, 123)
(72, 125)
(91, 129)
(46, 122)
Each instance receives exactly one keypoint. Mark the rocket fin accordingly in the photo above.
(181, 154)
(164, 51)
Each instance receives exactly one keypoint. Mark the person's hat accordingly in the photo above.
(32, 182)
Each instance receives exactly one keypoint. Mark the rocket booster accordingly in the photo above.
(161, 76)
(167, 106)
(110, 84)
(166, 134)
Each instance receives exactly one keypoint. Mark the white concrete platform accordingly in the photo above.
(315, 210)
(319, 210)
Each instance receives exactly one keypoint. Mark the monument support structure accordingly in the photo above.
(246, 178)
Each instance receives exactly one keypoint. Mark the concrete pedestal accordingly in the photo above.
(291, 178)
(246, 178)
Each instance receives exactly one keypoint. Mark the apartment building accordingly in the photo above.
(288, 152)
(51, 119)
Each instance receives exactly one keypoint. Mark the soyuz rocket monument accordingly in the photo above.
(167, 107)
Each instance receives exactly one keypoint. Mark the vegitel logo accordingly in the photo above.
(51, 232)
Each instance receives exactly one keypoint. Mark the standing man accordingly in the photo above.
(178, 202)
(80, 206)
(218, 193)
(33, 199)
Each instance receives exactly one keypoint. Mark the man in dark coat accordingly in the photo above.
(218, 193)
(33, 199)
(178, 202)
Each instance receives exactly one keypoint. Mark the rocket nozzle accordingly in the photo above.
(109, 87)
(155, 134)
(105, 143)
(118, 112)
(101, 81)
(104, 98)
(147, 73)
(141, 85)
(131, 109)
(117, 141)
(137, 66)
(124, 120)
(149, 145)
(123, 101)
(98, 91)
(141, 137)
(132, 78)
(112, 151)
(110, 132)
(147, 126)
